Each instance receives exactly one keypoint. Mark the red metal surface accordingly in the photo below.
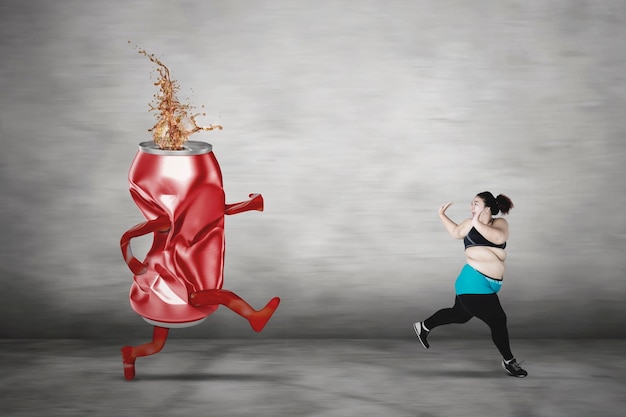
(182, 198)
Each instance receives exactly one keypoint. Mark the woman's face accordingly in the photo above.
(477, 205)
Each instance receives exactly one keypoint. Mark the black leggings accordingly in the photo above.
(484, 306)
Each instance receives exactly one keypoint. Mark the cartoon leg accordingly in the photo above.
(257, 318)
(130, 353)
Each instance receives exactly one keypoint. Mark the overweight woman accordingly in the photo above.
(481, 278)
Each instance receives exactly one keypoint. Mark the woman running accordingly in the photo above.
(480, 279)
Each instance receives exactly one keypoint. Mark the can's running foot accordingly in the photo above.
(129, 363)
(260, 318)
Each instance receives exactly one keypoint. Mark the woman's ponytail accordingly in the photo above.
(498, 204)
(504, 203)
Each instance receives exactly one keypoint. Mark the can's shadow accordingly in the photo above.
(205, 376)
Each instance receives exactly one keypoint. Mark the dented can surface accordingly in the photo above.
(180, 193)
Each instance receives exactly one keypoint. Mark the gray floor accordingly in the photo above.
(313, 378)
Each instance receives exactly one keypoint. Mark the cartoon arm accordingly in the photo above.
(160, 224)
(255, 203)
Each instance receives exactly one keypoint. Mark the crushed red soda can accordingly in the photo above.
(181, 195)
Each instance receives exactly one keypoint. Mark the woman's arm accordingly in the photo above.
(457, 231)
(497, 232)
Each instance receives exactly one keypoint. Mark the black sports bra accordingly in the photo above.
(474, 238)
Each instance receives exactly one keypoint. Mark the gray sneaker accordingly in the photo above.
(422, 333)
(514, 369)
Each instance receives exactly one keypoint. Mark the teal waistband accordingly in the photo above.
(470, 281)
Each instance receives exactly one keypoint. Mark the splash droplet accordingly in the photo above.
(175, 122)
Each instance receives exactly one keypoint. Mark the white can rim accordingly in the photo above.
(191, 147)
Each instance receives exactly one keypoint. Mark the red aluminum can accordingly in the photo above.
(180, 193)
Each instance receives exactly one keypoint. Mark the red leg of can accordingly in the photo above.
(257, 318)
(131, 353)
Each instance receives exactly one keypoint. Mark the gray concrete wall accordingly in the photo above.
(356, 120)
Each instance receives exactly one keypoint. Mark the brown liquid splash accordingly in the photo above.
(175, 123)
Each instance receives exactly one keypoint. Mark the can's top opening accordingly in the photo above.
(191, 147)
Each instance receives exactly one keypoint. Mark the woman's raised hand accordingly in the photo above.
(443, 208)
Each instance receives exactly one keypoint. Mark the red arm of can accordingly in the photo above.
(255, 203)
(160, 224)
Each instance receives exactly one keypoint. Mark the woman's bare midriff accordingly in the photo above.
(487, 260)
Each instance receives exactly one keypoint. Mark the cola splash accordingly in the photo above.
(175, 121)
